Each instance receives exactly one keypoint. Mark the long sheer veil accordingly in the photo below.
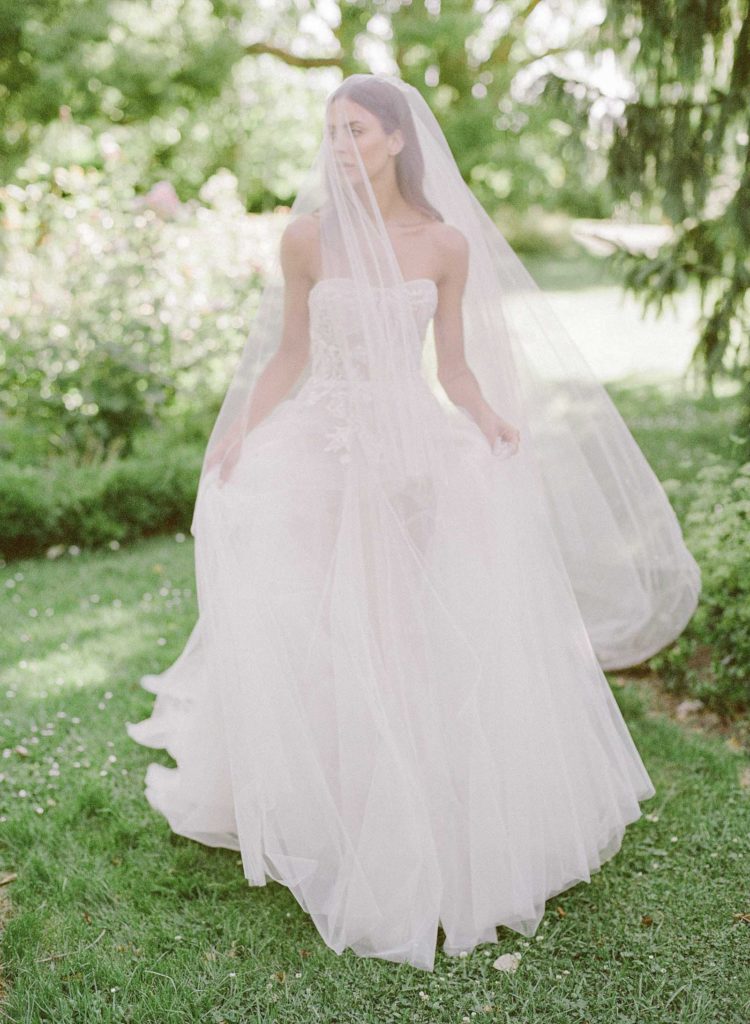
(600, 513)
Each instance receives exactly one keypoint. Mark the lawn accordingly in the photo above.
(112, 918)
(109, 917)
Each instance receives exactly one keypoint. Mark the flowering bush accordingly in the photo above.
(118, 311)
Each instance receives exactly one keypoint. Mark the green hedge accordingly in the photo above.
(711, 659)
(93, 505)
(154, 492)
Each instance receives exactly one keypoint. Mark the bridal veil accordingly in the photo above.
(606, 518)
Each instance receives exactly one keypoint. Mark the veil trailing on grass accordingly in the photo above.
(577, 470)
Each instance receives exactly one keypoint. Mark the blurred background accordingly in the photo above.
(149, 153)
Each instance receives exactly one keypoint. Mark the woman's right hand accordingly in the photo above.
(221, 449)
(229, 461)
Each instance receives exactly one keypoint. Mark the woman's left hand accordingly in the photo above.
(495, 428)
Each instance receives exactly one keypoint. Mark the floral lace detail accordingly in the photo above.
(348, 398)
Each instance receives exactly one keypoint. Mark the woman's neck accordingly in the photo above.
(393, 208)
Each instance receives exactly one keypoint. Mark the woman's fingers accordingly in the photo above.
(229, 461)
(507, 440)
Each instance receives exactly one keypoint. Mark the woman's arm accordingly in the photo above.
(453, 372)
(286, 364)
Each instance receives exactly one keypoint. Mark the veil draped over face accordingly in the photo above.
(578, 478)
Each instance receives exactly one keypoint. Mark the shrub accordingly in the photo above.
(711, 660)
(112, 320)
(28, 513)
(151, 496)
(89, 506)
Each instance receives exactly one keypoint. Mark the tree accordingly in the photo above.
(464, 58)
(682, 144)
(188, 88)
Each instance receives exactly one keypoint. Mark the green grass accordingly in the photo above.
(680, 432)
(115, 919)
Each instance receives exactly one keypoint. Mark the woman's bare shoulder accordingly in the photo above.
(450, 240)
(302, 230)
(451, 247)
(299, 243)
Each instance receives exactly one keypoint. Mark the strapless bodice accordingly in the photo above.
(422, 291)
(329, 301)
(345, 382)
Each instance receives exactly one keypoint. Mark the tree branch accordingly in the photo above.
(592, 90)
(501, 50)
(294, 59)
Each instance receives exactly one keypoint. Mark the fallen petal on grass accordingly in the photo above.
(507, 962)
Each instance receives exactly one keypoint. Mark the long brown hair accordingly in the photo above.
(389, 105)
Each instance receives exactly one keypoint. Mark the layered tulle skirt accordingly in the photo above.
(390, 703)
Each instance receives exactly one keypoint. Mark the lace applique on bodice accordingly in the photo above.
(325, 357)
(343, 393)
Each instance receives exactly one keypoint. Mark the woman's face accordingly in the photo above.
(365, 132)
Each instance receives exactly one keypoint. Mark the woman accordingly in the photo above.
(413, 564)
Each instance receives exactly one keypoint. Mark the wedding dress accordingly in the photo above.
(393, 700)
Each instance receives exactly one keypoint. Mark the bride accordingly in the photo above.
(414, 563)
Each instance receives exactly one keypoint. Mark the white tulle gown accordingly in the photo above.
(453, 760)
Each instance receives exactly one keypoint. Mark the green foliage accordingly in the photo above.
(93, 506)
(695, 255)
(693, 446)
(173, 86)
(711, 660)
(682, 145)
(148, 496)
(28, 515)
(511, 148)
(113, 319)
(684, 125)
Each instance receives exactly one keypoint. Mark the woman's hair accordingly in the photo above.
(390, 107)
